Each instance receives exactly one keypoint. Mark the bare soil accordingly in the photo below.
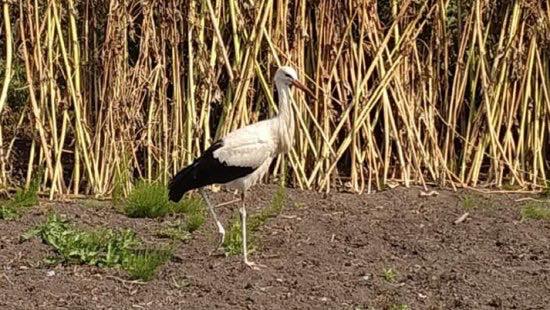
(320, 253)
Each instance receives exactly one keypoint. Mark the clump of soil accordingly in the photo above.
(386, 250)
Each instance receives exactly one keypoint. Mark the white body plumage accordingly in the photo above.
(256, 145)
(251, 146)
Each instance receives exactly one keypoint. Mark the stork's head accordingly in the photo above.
(287, 76)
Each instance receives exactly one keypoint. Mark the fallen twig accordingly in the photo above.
(290, 217)
(530, 199)
(125, 281)
(462, 218)
(428, 194)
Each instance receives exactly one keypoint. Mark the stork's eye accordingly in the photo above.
(288, 76)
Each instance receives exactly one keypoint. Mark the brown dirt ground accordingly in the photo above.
(321, 253)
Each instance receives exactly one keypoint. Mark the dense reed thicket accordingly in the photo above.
(100, 92)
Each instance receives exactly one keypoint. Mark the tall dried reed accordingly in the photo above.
(450, 92)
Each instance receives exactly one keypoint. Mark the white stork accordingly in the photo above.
(241, 158)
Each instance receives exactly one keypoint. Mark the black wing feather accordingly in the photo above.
(205, 170)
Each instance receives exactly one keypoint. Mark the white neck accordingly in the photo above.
(285, 118)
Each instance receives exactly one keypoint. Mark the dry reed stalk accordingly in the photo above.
(5, 86)
(411, 92)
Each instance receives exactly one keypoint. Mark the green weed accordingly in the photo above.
(546, 191)
(233, 240)
(470, 202)
(101, 247)
(194, 210)
(147, 200)
(143, 264)
(389, 275)
(536, 211)
(7, 213)
(22, 200)
(399, 307)
(151, 200)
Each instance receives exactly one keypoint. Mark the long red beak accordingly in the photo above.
(301, 86)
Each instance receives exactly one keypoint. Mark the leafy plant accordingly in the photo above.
(8, 213)
(101, 247)
(233, 242)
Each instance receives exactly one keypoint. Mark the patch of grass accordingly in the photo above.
(21, 201)
(233, 243)
(399, 307)
(8, 213)
(101, 247)
(274, 209)
(536, 211)
(389, 275)
(143, 264)
(150, 200)
(194, 210)
(470, 202)
(147, 200)
(546, 191)
(194, 220)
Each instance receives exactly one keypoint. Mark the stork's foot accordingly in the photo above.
(253, 265)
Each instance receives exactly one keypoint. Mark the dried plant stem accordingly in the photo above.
(433, 92)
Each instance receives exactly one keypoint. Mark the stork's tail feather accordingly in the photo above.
(180, 184)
